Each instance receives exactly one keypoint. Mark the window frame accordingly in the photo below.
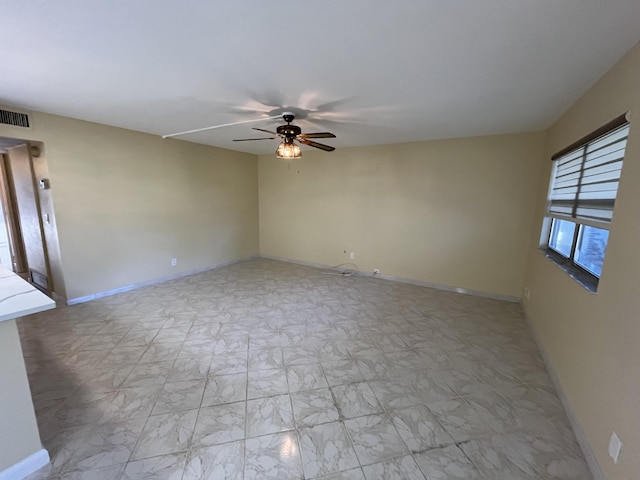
(583, 276)
(580, 274)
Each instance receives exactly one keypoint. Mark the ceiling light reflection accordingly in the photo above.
(288, 447)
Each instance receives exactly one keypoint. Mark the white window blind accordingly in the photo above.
(585, 180)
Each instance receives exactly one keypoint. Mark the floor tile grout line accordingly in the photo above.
(157, 396)
(410, 452)
(246, 411)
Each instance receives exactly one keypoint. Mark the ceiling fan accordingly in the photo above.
(291, 134)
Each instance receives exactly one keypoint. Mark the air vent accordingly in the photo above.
(14, 118)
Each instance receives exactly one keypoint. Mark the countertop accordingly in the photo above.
(19, 298)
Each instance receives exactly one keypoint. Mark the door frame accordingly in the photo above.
(12, 220)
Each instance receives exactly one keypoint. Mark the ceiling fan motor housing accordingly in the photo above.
(289, 130)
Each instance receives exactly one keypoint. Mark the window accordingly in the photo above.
(582, 195)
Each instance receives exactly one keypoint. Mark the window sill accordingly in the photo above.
(583, 279)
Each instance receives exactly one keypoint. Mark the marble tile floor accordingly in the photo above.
(271, 370)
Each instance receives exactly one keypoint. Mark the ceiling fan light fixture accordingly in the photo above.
(290, 134)
(288, 150)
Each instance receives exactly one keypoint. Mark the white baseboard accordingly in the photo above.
(478, 293)
(26, 467)
(146, 283)
(437, 286)
(581, 438)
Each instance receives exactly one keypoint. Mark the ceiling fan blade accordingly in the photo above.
(317, 135)
(326, 148)
(265, 131)
(251, 139)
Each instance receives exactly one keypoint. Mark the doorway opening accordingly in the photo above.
(23, 246)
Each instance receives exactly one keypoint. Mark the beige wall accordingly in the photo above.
(451, 212)
(593, 340)
(19, 437)
(127, 202)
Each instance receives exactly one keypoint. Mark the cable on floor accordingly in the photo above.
(345, 273)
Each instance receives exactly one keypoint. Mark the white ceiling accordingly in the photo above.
(372, 72)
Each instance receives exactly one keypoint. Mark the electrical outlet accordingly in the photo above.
(174, 262)
(352, 255)
(615, 445)
(526, 293)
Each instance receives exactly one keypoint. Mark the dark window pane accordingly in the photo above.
(561, 236)
(592, 243)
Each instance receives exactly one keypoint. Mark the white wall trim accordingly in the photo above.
(26, 467)
(146, 283)
(581, 438)
(466, 291)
